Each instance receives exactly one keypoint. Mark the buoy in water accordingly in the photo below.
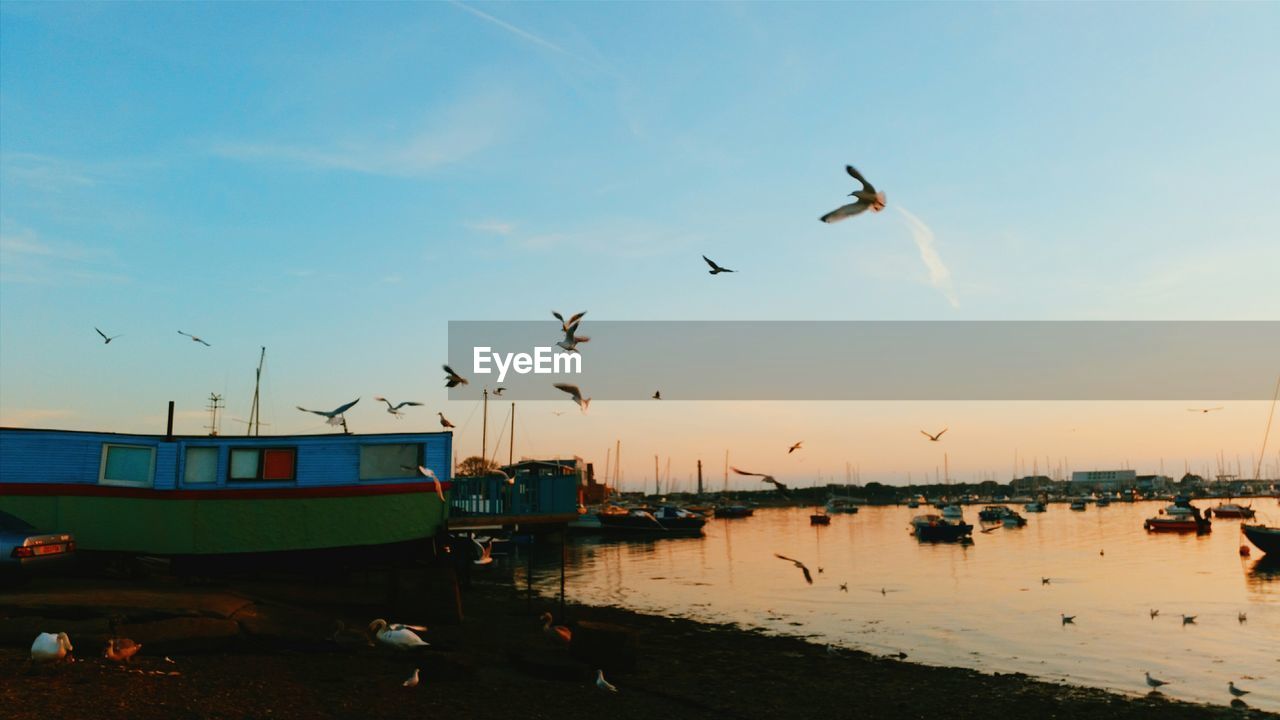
(1244, 551)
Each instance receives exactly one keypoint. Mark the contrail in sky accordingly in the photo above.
(939, 275)
(512, 28)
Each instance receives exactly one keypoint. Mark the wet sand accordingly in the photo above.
(497, 662)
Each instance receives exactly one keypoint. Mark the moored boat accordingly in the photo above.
(995, 513)
(733, 511)
(935, 528)
(841, 505)
(1267, 539)
(1232, 510)
(1181, 516)
(665, 520)
(1078, 504)
(819, 519)
(1013, 519)
(1035, 506)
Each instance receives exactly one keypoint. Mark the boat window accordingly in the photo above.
(382, 461)
(201, 466)
(127, 465)
(248, 464)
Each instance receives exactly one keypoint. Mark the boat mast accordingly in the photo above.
(254, 416)
(657, 489)
(726, 471)
(511, 447)
(484, 431)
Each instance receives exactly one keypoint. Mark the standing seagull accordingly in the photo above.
(107, 340)
(334, 416)
(715, 269)
(573, 319)
(453, 379)
(604, 684)
(395, 409)
(193, 338)
(444, 421)
(1203, 410)
(794, 448)
(934, 438)
(1154, 683)
(576, 393)
(413, 679)
(807, 577)
(1231, 688)
(867, 198)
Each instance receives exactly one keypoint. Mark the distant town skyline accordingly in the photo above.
(339, 192)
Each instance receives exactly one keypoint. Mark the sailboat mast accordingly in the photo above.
(511, 447)
(254, 416)
(726, 471)
(657, 490)
(484, 430)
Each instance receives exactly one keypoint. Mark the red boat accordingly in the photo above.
(820, 519)
(1181, 516)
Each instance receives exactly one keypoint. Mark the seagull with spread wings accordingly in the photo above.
(334, 416)
(934, 438)
(795, 447)
(395, 409)
(453, 379)
(1203, 410)
(573, 319)
(764, 478)
(571, 339)
(575, 393)
(807, 577)
(868, 198)
(195, 339)
(715, 269)
(426, 472)
(107, 340)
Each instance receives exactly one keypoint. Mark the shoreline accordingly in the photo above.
(498, 660)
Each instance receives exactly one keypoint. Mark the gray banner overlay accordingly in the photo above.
(925, 360)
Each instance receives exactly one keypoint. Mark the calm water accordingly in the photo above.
(981, 606)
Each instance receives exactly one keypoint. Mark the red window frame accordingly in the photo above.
(275, 464)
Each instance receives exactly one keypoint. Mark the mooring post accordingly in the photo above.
(528, 576)
(562, 551)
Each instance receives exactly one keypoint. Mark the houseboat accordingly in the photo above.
(215, 498)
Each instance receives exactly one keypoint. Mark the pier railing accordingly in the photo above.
(529, 500)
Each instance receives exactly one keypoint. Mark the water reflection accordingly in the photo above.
(981, 605)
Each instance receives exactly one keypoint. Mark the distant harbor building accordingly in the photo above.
(1104, 480)
(1152, 483)
(1031, 484)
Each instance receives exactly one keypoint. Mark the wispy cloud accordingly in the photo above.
(44, 173)
(25, 258)
(535, 39)
(498, 227)
(939, 275)
(24, 417)
(459, 131)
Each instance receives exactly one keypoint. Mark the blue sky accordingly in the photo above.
(337, 181)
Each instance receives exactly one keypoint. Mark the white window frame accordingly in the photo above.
(151, 468)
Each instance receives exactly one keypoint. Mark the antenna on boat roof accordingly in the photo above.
(215, 404)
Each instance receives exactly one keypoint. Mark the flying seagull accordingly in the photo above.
(1203, 410)
(1044, 581)
(1231, 688)
(604, 684)
(1242, 618)
(575, 393)
(844, 587)
(1154, 683)
(934, 438)
(867, 198)
(107, 340)
(334, 416)
(716, 269)
(1154, 613)
(1189, 619)
(657, 394)
(193, 338)
(453, 379)
(573, 319)
(497, 392)
(1067, 619)
(395, 409)
(427, 473)
(571, 340)
(486, 552)
(765, 478)
(444, 421)
(794, 448)
(807, 577)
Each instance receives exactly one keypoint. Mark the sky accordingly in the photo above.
(336, 182)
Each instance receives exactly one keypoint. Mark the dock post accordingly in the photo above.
(528, 576)
(563, 532)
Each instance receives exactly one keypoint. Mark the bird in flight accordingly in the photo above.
(764, 478)
(715, 269)
(807, 577)
(794, 448)
(1154, 613)
(427, 473)
(444, 422)
(395, 409)
(575, 393)
(1203, 410)
(485, 550)
(557, 413)
(453, 379)
(1154, 683)
(497, 392)
(195, 339)
(1067, 619)
(1242, 618)
(1044, 581)
(844, 587)
(106, 340)
(934, 438)
(334, 416)
(1189, 619)
(566, 324)
(571, 339)
(867, 198)
(657, 394)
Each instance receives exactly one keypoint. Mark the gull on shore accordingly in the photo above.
(121, 649)
(604, 684)
(398, 635)
(194, 338)
(807, 577)
(334, 417)
(575, 393)
(1189, 619)
(107, 340)
(1067, 619)
(867, 198)
(715, 269)
(1231, 688)
(1154, 683)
